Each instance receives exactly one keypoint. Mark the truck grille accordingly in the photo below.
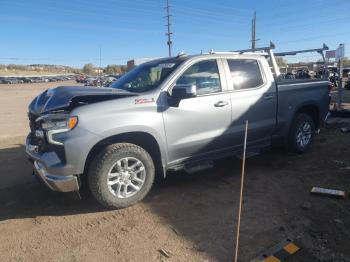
(34, 140)
(43, 145)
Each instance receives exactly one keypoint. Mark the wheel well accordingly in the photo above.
(142, 139)
(312, 111)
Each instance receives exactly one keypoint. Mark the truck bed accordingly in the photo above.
(291, 91)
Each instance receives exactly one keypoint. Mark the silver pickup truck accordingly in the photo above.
(168, 114)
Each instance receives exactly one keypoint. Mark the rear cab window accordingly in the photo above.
(245, 73)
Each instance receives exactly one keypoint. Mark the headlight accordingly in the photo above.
(60, 124)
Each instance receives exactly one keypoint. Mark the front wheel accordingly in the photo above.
(121, 175)
(301, 134)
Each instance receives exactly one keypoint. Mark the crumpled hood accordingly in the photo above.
(63, 97)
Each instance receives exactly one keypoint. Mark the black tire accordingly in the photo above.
(298, 121)
(102, 164)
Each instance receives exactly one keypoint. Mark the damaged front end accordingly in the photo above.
(68, 97)
(49, 113)
(52, 123)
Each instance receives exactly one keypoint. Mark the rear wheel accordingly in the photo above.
(121, 175)
(301, 134)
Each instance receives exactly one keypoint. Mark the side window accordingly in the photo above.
(245, 73)
(205, 75)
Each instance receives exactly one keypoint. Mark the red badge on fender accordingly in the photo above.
(144, 100)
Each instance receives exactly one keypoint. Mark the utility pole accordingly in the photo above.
(169, 33)
(340, 83)
(254, 40)
(99, 71)
(340, 52)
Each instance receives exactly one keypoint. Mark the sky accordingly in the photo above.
(72, 32)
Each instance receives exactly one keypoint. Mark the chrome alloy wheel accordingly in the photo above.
(304, 134)
(126, 177)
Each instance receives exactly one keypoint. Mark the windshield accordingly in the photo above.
(147, 76)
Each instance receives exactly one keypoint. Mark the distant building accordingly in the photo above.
(138, 61)
(98, 70)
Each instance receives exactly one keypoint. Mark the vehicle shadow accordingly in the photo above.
(23, 196)
(14, 167)
(198, 207)
(201, 207)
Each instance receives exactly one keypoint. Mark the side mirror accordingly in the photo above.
(184, 91)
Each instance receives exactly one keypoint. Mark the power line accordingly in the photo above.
(169, 33)
(96, 9)
(180, 13)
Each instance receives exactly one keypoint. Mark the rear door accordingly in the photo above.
(198, 125)
(253, 98)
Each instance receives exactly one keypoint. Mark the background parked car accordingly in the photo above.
(109, 80)
(10, 80)
(80, 79)
(52, 79)
(90, 81)
(37, 79)
(25, 80)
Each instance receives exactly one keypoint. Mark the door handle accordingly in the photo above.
(268, 97)
(221, 103)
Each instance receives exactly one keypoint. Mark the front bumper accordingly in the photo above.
(56, 183)
(55, 174)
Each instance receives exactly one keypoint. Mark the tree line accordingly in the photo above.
(88, 69)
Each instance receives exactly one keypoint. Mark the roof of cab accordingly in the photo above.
(183, 57)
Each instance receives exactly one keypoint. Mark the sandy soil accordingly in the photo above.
(191, 217)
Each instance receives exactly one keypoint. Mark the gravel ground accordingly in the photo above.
(190, 217)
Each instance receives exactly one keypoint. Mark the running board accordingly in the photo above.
(199, 166)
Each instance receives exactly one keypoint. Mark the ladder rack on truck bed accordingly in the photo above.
(269, 52)
(272, 55)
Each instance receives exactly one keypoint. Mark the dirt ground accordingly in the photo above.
(191, 217)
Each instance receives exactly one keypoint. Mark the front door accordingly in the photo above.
(198, 126)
